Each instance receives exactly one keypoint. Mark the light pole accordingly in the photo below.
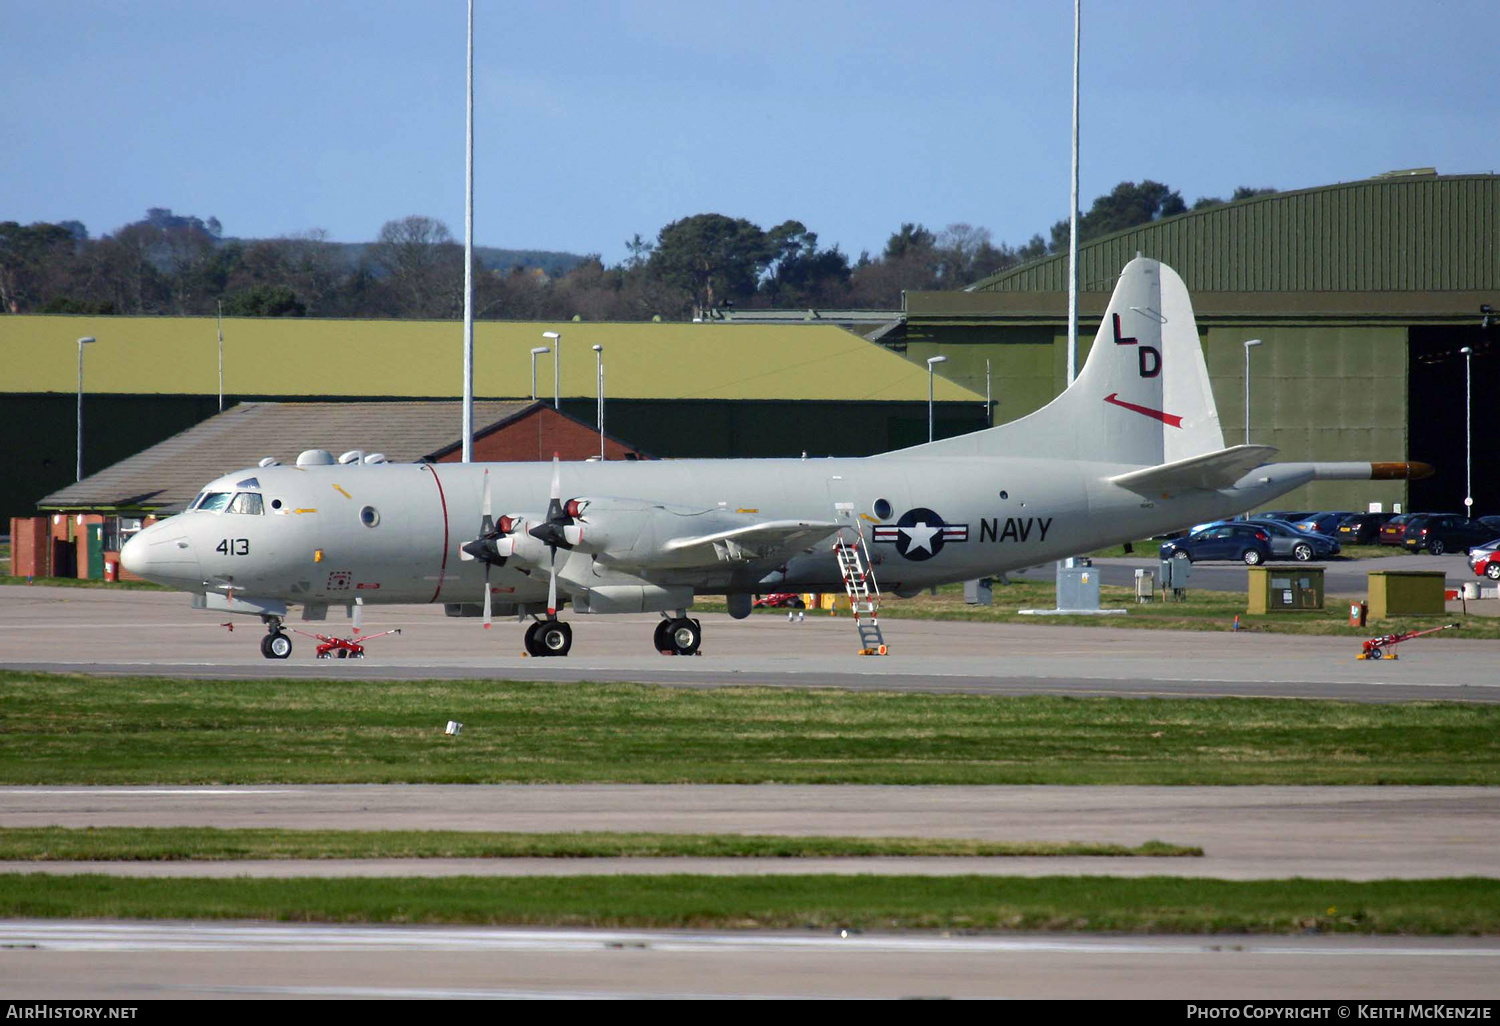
(221, 356)
(989, 403)
(599, 387)
(1248, 345)
(81, 343)
(1468, 447)
(538, 351)
(556, 340)
(468, 410)
(932, 361)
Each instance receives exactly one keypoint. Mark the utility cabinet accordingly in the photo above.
(1285, 589)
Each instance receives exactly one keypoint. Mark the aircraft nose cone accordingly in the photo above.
(162, 553)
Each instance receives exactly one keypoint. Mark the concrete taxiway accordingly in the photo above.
(81, 961)
(139, 632)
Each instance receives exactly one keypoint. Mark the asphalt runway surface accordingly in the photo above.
(155, 961)
(156, 633)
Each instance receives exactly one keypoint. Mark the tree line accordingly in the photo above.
(174, 264)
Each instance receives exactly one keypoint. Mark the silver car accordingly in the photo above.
(1289, 543)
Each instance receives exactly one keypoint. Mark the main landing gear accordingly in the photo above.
(276, 644)
(548, 638)
(678, 635)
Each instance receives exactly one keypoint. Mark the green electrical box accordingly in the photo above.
(1288, 589)
(1406, 592)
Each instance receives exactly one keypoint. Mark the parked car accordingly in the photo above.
(779, 600)
(1287, 515)
(1446, 532)
(1237, 540)
(1393, 531)
(1289, 543)
(1361, 528)
(1485, 560)
(1322, 523)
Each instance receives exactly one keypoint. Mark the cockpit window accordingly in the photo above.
(196, 501)
(249, 482)
(247, 502)
(215, 501)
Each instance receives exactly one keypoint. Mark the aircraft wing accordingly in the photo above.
(1209, 471)
(760, 539)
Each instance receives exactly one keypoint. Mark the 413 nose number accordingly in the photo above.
(234, 547)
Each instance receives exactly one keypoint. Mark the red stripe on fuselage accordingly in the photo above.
(442, 569)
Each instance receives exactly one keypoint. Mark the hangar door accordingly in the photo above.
(1435, 412)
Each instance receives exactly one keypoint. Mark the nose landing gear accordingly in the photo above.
(276, 644)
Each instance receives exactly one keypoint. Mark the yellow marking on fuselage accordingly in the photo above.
(343, 493)
(314, 510)
(747, 511)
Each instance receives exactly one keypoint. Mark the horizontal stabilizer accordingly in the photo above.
(772, 534)
(1210, 471)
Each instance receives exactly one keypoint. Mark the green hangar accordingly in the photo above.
(671, 390)
(1363, 295)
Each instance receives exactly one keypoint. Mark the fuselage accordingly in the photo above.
(392, 533)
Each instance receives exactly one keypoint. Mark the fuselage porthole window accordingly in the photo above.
(247, 502)
(275, 503)
(369, 516)
(882, 509)
(215, 502)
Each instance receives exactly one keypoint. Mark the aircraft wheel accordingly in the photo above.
(533, 647)
(659, 642)
(683, 636)
(554, 638)
(276, 646)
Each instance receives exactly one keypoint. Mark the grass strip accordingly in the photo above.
(81, 582)
(70, 729)
(1146, 905)
(208, 843)
(1201, 611)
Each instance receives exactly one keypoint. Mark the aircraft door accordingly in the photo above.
(842, 501)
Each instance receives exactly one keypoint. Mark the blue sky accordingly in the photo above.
(598, 120)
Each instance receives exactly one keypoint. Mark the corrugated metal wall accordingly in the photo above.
(1428, 234)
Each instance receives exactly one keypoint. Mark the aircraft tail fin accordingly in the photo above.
(1142, 398)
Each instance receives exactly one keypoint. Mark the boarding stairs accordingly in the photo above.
(864, 593)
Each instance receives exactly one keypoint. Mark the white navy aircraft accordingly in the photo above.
(1132, 448)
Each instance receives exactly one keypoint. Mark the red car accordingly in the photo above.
(1393, 531)
(1486, 562)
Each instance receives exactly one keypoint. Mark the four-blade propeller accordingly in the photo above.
(559, 531)
(562, 529)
